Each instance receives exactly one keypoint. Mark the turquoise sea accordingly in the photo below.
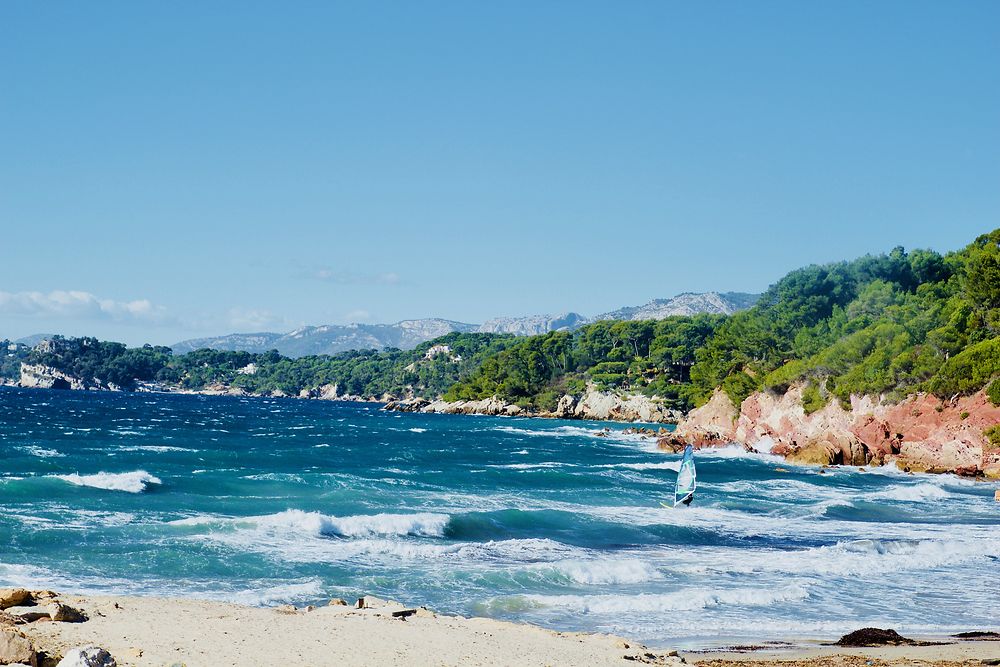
(268, 501)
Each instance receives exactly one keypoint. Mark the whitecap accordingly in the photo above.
(913, 493)
(154, 448)
(132, 482)
(532, 466)
(600, 571)
(276, 477)
(423, 524)
(41, 452)
(850, 558)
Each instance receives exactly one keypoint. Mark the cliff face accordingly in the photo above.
(46, 377)
(922, 433)
(592, 405)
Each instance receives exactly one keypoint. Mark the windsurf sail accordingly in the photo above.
(686, 482)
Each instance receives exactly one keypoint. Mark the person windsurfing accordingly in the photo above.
(686, 480)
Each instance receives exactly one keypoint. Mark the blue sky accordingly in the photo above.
(181, 169)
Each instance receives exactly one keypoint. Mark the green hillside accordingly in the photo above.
(887, 324)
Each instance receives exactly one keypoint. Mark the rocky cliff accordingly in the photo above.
(46, 377)
(922, 433)
(591, 405)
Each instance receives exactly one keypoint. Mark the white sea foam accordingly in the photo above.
(912, 493)
(417, 430)
(737, 452)
(132, 482)
(567, 432)
(522, 431)
(686, 600)
(526, 550)
(41, 452)
(602, 571)
(533, 466)
(315, 524)
(276, 477)
(852, 558)
(154, 448)
(270, 595)
(664, 465)
(423, 525)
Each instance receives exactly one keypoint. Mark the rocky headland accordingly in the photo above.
(594, 405)
(38, 376)
(922, 433)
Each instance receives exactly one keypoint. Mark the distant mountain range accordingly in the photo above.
(332, 338)
(688, 303)
(407, 334)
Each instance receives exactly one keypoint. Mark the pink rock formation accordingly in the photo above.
(923, 433)
(711, 425)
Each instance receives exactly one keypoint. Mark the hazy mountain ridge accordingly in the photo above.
(331, 338)
(407, 334)
(686, 303)
(533, 324)
(249, 342)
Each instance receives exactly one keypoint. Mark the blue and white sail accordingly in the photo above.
(686, 479)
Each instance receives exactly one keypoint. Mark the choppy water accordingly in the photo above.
(266, 501)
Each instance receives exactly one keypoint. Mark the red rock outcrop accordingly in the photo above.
(711, 425)
(922, 433)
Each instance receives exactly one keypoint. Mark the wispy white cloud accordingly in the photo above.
(79, 305)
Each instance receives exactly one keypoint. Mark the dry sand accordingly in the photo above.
(156, 631)
(145, 631)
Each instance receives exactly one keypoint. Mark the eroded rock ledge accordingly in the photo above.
(923, 433)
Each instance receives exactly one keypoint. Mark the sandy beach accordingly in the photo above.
(141, 632)
(148, 631)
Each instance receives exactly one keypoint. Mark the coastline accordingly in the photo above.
(147, 631)
(784, 430)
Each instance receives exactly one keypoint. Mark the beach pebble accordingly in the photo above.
(16, 648)
(88, 656)
(338, 602)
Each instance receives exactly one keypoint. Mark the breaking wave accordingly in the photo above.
(41, 452)
(607, 571)
(132, 482)
(316, 524)
(914, 493)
